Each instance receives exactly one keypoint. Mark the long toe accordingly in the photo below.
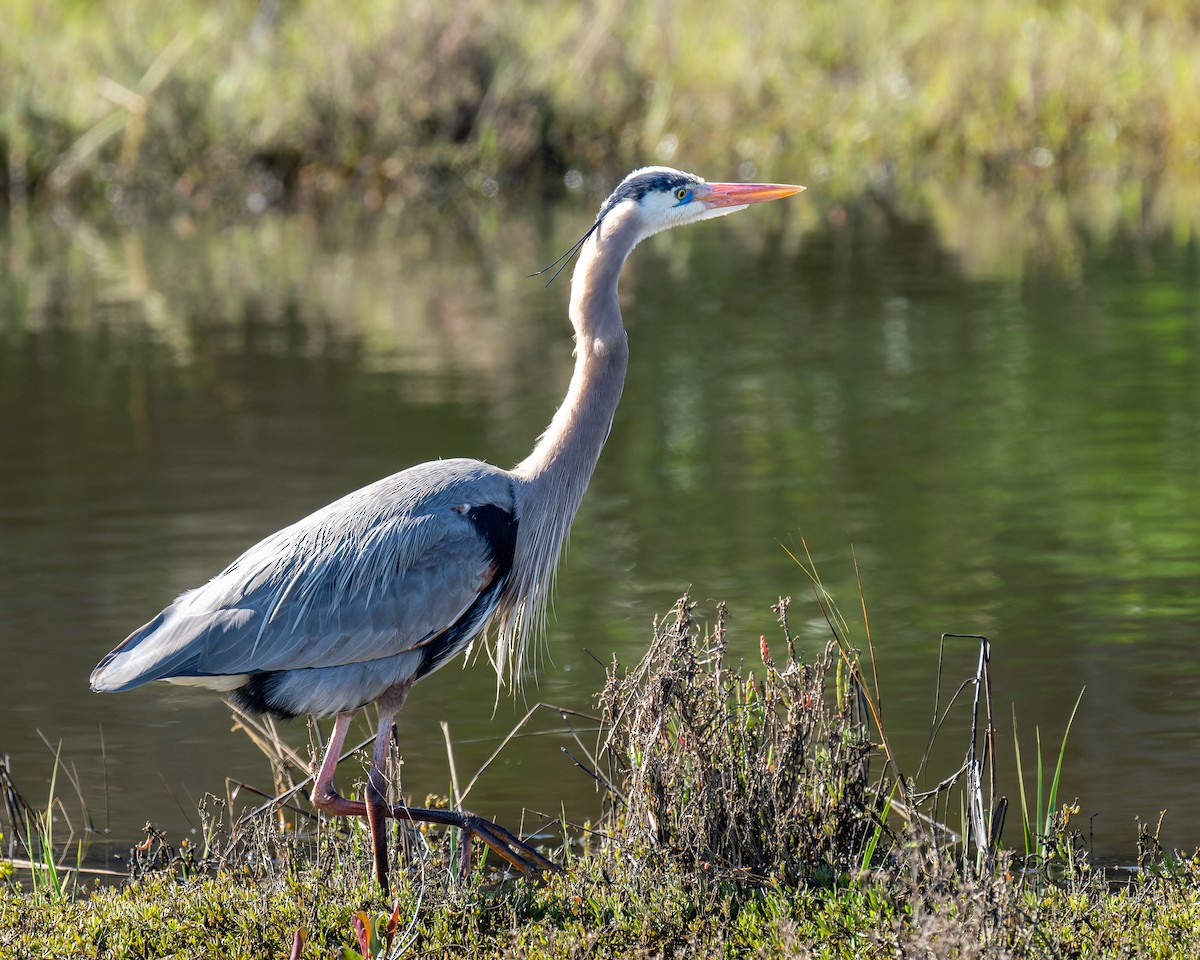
(508, 847)
(514, 851)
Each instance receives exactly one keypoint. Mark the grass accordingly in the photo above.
(1040, 830)
(609, 905)
(747, 819)
(47, 853)
(605, 907)
(927, 107)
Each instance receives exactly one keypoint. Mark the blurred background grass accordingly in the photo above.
(1081, 111)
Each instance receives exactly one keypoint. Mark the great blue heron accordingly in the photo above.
(355, 603)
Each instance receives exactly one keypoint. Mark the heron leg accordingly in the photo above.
(508, 847)
(376, 809)
(376, 793)
(326, 798)
(324, 794)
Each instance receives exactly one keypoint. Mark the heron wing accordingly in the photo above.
(384, 570)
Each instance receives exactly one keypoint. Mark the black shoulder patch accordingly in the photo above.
(498, 528)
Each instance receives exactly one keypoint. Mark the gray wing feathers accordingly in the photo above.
(380, 571)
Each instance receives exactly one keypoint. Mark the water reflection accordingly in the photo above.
(1012, 453)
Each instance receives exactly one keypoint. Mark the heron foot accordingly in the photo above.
(333, 803)
(507, 846)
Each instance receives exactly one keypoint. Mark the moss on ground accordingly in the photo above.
(610, 905)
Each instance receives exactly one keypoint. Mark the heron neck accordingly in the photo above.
(551, 481)
(566, 454)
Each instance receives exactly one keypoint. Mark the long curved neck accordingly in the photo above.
(566, 453)
(551, 481)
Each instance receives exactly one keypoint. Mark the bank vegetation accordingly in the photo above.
(754, 810)
(919, 106)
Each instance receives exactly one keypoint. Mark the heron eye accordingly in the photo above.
(681, 193)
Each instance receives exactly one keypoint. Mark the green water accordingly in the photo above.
(1012, 452)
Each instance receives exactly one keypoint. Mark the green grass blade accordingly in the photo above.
(869, 850)
(1052, 801)
(1026, 833)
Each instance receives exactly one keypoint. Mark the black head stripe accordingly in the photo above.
(636, 187)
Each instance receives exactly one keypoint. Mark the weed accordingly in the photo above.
(738, 776)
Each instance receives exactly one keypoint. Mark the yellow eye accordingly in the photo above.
(681, 193)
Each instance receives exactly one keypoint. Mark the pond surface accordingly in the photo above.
(1005, 451)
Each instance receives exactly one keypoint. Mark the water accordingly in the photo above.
(1008, 452)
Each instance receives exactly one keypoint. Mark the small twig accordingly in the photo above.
(274, 799)
(575, 736)
(175, 799)
(512, 734)
(939, 722)
(917, 815)
(23, 863)
(266, 737)
(18, 808)
(945, 784)
(862, 599)
(555, 818)
(453, 767)
(288, 794)
(104, 775)
(595, 776)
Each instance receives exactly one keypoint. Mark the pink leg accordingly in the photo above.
(324, 794)
(376, 793)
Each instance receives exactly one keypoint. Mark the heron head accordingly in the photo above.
(653, 199)
(664, 197)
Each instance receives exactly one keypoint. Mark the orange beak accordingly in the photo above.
(740, 194)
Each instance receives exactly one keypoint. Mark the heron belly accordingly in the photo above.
(324, 691)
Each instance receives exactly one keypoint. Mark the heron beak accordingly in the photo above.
(740, 194)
